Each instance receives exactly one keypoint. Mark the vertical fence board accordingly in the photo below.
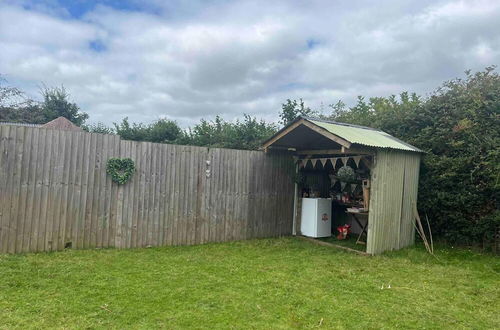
(31, 184)
(54, 190)
(23, 225)
(16, 182)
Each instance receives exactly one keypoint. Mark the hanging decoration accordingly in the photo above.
(356, 160)
(333, 180)
(303, 162)
(120, 169)
(342, 185)
(346, 174)
(353, 187)
(333, 161)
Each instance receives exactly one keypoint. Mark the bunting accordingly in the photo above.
(314, 161)
(344, 160)
(323, 161)
(356, 160)
(342, 185)
(353, 187)
(333, 161)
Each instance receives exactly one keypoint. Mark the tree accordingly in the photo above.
(290, 110)
(15, 106)
(56, 104)
(164, 131)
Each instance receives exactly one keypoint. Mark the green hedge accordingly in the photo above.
(458, 126)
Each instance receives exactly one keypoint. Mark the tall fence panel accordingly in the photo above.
(55, 193)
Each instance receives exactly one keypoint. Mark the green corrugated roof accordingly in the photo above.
(363, 135)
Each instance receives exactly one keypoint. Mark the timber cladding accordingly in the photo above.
(55, 193)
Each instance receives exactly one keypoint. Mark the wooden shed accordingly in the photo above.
(381, 196)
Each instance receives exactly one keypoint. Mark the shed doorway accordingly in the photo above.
(340, 183)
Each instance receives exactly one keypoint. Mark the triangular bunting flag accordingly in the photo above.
(323, 161)
(353, 187)
(314, 161)
(333, 180)
(333, 161)
(342, 185)
(344, 160)
(356, 160)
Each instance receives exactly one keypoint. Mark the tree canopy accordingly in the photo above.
(15, 106)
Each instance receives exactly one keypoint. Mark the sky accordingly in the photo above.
(186, 60)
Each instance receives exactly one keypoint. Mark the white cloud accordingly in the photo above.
(191, 60)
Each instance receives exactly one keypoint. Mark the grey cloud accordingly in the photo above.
(198, 59)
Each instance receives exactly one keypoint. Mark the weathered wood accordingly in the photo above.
(342, 151)
(55, 193)
(318, 242)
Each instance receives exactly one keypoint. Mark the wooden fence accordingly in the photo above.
(55, 193)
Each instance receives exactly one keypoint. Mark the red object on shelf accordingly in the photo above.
(343, 231)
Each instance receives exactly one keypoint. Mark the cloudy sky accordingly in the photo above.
(185, 60)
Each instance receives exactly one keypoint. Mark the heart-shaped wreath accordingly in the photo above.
(120, 169)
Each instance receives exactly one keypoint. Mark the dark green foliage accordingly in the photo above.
(98, 128)
(293, 109)
(56, 104)
(120, 169)
(161, 131)
(247, 134)
(29, 112)
(458, 127)
(15, 106)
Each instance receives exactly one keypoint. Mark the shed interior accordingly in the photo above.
(333, 182)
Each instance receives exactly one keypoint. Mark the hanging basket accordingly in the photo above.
(346, 174)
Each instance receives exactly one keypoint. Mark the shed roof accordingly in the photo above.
(62, 124)
(352, 134)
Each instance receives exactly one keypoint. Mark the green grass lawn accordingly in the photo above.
(267, 284)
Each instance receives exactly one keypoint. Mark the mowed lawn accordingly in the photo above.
(265, 284)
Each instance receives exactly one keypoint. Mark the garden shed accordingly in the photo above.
(369, 178)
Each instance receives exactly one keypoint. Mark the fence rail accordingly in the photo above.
(55, 193)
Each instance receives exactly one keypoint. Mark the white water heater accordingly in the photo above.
(316, 220)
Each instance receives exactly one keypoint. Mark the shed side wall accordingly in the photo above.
(385, 202)
(393, 195)
(410, 194)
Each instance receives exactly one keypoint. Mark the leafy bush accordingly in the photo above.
(458, 127)
(247, 134)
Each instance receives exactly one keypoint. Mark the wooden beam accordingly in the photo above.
(281, 148)
(327, 134)
(323, 243)
(279, 135)
(317, 129)
(334, 151)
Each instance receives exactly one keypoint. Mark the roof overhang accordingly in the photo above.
(313, 134)
(301, 131)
